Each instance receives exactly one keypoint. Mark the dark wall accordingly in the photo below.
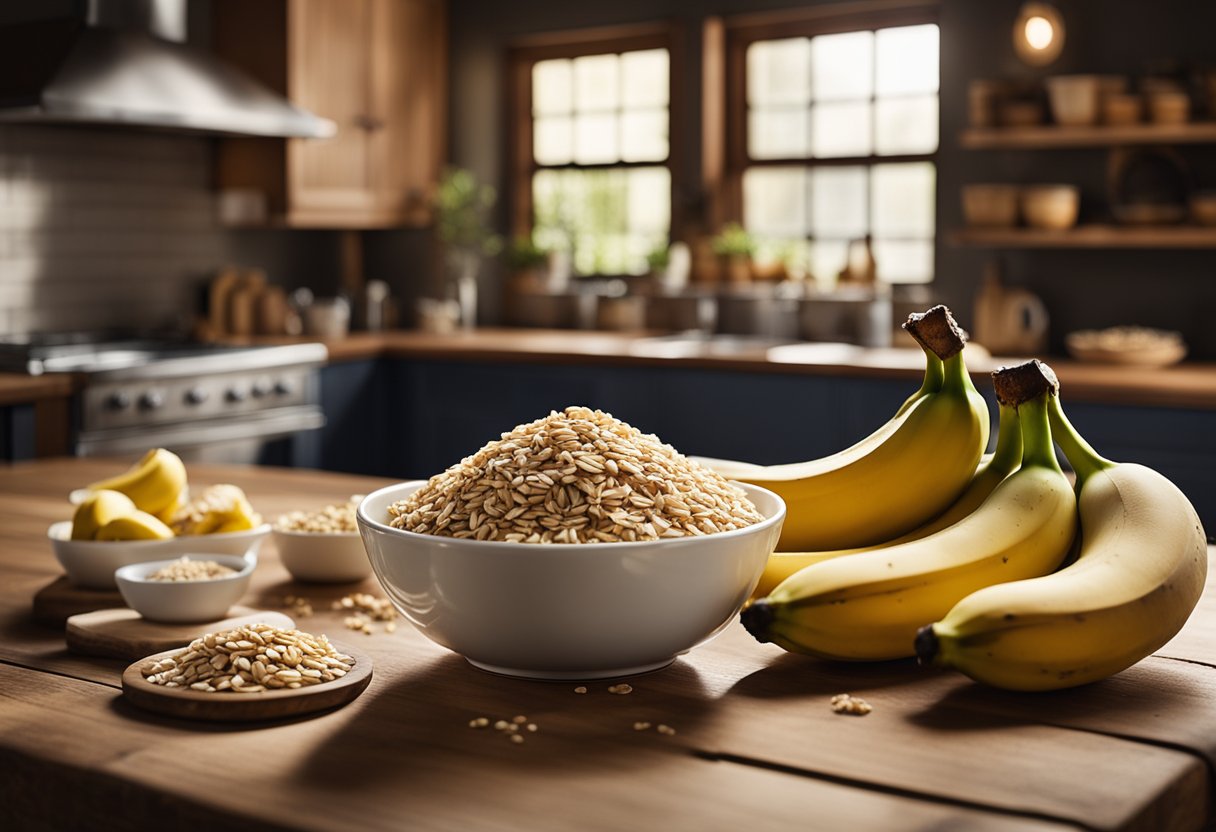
(1170, 289)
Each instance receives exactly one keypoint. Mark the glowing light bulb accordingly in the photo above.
(1039, 32)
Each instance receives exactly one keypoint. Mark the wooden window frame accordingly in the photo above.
(524, 53)
(733, 37)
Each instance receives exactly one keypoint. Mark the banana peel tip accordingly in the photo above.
(757, 618)
(927, 645)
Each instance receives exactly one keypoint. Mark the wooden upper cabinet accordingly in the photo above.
(376, 68)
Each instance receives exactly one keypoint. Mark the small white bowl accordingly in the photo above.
(91, 563)
(183, 602)
(323, 557)
(568, 611)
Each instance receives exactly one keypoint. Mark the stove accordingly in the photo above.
(216, 403)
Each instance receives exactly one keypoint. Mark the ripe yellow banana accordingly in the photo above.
(1139, 574)
(869, 606)
(153, 484)
(138, 525)
(992, 470)
(98, 509)
(219, 509)
(907, 472)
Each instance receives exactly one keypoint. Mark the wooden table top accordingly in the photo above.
(756, 744)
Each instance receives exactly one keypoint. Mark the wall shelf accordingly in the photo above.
(1048, 137)
(1089, 236)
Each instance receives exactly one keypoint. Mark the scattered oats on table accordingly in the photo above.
(363, 608)
(298, 606)
(578, 476)
(846, 703)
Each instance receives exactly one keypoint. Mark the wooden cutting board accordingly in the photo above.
(125, 634)
(59, 600)
(245, 707)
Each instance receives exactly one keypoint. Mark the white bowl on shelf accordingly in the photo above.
(91, 563)
(184, 602)
(568, 611)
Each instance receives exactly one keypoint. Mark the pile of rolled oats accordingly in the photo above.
(185, 569)
(250, 659)
(579, 476)
(333, 519)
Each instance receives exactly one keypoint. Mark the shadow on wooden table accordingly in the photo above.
(416, 726)
(797, 676)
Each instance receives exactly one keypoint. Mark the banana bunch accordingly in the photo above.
(992, 470)
(869, 605)
(155, 484)
(904, 474)
(1139, 574)
(148, 502)
(112, 515)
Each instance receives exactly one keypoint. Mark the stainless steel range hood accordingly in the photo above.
(125, 65)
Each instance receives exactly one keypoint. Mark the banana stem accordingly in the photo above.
(934, 375)
(1080, 454)
(1008, 451)
(1037, 448)
(954, 373)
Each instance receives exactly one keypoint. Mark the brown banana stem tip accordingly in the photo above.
(936, 330)
(1025, 382)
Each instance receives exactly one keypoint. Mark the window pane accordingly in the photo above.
(608, 219)
(904, 261)
(595, 138)
(907, 59)
(906, 125)
(552, 85)
(840, 129)
(777, 134)
(596, 79)
(552, 140)
(838, 202)
(827, 258)
(774, 202)
(842, 66)
(644, 136)
(644, 78)
(779, 72)
(903, 200)
(649, 201)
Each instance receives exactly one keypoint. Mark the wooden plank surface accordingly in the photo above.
(1090, 236)
(1049, 136)
(756, 743)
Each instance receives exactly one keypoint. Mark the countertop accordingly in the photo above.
(756, 745)
(1187, 385)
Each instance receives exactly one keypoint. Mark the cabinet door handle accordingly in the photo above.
(368, 123)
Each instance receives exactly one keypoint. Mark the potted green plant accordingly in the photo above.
(657, 260)
(462, 211)
(734, 246)
(527, 265)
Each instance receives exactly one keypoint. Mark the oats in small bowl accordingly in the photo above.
(192, 588)
(323, 546)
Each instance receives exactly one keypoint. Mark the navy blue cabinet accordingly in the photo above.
(413, 418)
(18, 430)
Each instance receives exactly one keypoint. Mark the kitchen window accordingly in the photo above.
(834, 131)
(593, 146)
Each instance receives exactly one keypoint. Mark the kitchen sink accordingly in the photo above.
(694, 345)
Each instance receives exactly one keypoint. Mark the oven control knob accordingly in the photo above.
(196, 395)
(118, 401)
(261, 389)
(151, 400)
(235, 394)
(283, 387)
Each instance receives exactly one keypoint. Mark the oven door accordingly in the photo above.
(283, 436)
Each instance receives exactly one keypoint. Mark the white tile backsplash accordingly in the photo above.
(103, 228)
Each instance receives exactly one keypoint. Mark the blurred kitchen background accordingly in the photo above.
(716, 185)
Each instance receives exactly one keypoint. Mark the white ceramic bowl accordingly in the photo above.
(568, 611)
(91, 563)
(182, 602)
(323, 558)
